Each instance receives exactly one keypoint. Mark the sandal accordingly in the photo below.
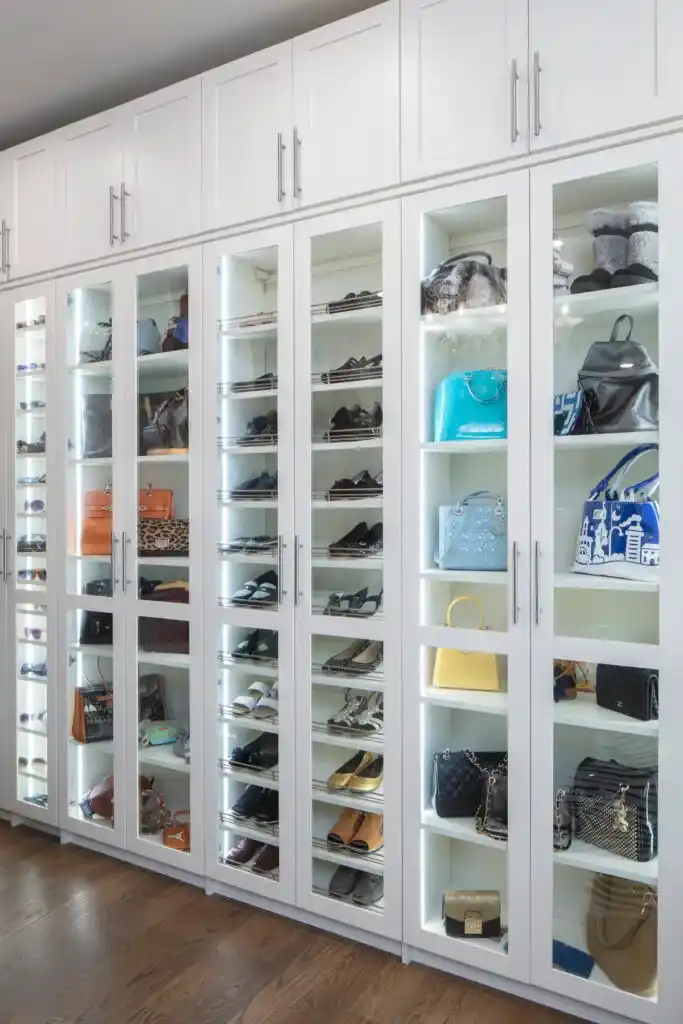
(267, 706)
(342, 603)
(347, 716)
(369, 836)
(371, 717)
(370, 605)
(347, 825)
(246, 702)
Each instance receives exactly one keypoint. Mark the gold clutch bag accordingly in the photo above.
(472, 913)
(465, 670)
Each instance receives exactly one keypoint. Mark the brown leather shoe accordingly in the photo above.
(345, 827)
(370, 836)
(267, 861)
(243, 851)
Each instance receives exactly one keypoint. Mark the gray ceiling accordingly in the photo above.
(61, 60)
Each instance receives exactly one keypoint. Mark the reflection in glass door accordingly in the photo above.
(465, 562)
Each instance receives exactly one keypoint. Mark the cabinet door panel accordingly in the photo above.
(162, 165)
(29, 210)
(90, 162)
(457, 84)
(598, 67)
(346, 105)
(245, 106)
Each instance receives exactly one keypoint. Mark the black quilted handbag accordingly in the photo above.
(458, 776)
(628, 691)
(615, 807)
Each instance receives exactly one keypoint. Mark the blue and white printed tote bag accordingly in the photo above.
(620, 527)
(473, 534)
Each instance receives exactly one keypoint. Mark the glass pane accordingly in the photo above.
(163, 334)
(248, 811)
(164, 726)
(91, 709)
(32, 721)
(606, 564)
(247, 431)
(90, 441)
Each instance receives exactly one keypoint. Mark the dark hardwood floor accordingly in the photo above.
(85, 939)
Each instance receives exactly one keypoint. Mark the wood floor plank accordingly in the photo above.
(85, 939)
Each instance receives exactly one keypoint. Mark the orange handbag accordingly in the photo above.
(155, 503)
(177, 835)
(96, 528)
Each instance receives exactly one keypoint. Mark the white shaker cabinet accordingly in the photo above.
(595, 68)
(27, 203)
(247, 136)
(346, 106)
(463, 84)
(162, 166)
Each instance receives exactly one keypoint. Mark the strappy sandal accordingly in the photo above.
(371, 718)
(346, 827)
(246, 702)
(267, 706)
(343, 603)
(348, 715)
(370, 605)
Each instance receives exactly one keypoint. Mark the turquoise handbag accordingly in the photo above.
(471, 405)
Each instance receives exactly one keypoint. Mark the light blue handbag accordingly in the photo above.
(471, 405)
(620, 527)
(473, 534)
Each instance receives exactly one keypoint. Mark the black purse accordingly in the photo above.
(97, 628)
(615, 807)
(492, 815)
(457, 781)
(620, 384)
(628, 691)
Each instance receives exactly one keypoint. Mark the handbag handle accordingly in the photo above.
(459, 600)
(468, 256)
(482, 494)
(616, 474)
(624, 318)
(493, 398)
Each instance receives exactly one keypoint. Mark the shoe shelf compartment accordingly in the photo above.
(373, 863)
(162, 760)
(249, 829)
(348, 740)
(268, 779)
(227, 715)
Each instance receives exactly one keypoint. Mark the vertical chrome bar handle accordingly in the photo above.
(297, 164)
(515, 583)
(124, 559)
(3, 251)
(113, 237)
(6, 538)
(537, 598)
(114, 578)
(2, 569)
(537, 93)
(297, 548)
(514, 79)
(125, 234)
(280, 168)
(281, 546)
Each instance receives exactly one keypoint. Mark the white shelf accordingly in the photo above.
(348, 682)
(148, 460)
(584, 713)
(27, 773)
(32, 643)
(349, 385)
(370, 802)
(251, 668)
(347, 446)
(368, 563)
(32, 731)
(236, 396)
(464, 576)
(267, 780)
(251, 829)
(571, 310)
(360, 742)
(165, 659)
(248, 721)
(247, 503)
(435, 927)
(481, 320)
(583, 581)
(627, 439)
(373, 863)
(109, 461)
(174, 563)
(163, 362)
(484, 702)
(462, 829)
(369, 315)
(33, 679)
(101, 746)
(346, 503)
(480, 446)
(249, 449)
(592, 858)
(35, 376)
(249, 558)
(252, 333)
(163, 758)
(38, 414)
(96, 650)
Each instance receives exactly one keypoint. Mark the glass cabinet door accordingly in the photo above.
(465, 564)
(26, 558)
(249, 544)
(606, 707)
(161, 568)
(348, 530)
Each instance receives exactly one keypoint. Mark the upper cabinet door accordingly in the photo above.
(463, 84)
(346, 106)
(161, 186)
(89, 176)
(27, 205)
(247, 123)
(592, 68)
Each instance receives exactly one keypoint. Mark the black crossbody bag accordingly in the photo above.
(628, 691)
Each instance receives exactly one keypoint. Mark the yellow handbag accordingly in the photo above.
(465, 670)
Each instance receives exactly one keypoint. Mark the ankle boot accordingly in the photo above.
(642, 264)
(610, 249)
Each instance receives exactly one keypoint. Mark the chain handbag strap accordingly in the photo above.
(500, 769)
(654, 698)
(564, 835)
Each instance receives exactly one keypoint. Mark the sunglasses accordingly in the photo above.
(352, 295)
(36, 505)
(26, 575)
(32, 481)
(39, 716)
(33, 632)
(37, 322)
(24, 367)
(30, 669)
(32, 405)
(36, 762)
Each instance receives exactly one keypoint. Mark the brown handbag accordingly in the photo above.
(159, 537)
(93, 713)
(97, 522)
(622, 933)
(155, 503)
(168, 636)
(177, 835)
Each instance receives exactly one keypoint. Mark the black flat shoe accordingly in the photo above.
(349, 545)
